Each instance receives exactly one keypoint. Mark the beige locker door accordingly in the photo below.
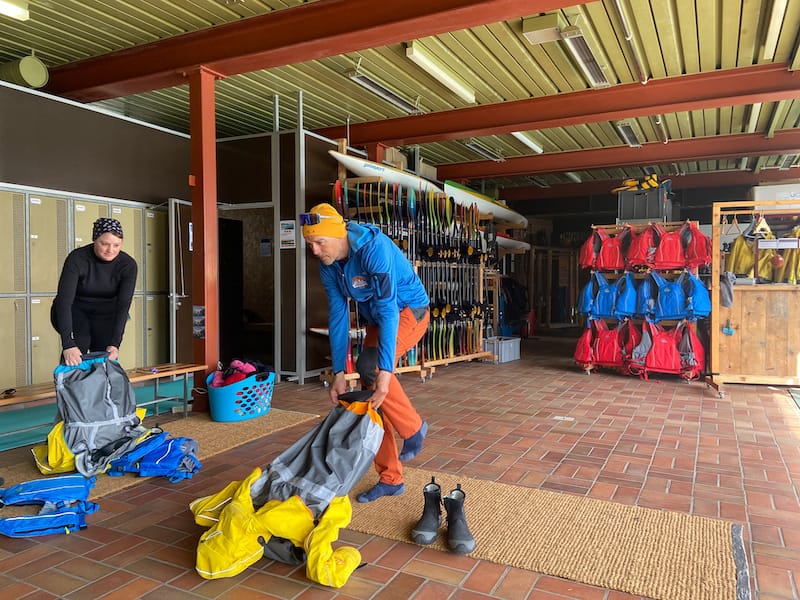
(14, 349)
(45, 341)
(48, 241)
(157, 329)
(13, 246)
(131, 220)
(131, 353)
(156, 258)
(84, 215)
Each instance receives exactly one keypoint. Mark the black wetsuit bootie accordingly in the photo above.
(427, 527)
(459, 537)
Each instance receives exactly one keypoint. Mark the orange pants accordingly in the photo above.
(398, 413)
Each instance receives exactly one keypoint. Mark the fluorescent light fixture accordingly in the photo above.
(16, 9)
(485, 152)
(752, 119)
(527, 141)
(662, 129)
(576, 43)
(382, 91)
(426, 62)
(544, 28)
(628, 133)
(743, 163)
(573, 176)
(787, 162)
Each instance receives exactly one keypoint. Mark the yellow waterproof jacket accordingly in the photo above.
(238, 531)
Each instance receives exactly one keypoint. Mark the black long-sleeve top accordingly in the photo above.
(95, 287)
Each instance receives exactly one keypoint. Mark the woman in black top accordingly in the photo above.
(94, 295)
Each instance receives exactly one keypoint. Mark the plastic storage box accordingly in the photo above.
(505, 348)
(246, 399)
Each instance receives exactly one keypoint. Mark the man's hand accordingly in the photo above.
(113, 352)
(72, 356)
(381, 388)
(339, 386)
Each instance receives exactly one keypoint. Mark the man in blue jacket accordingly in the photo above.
(359, 262)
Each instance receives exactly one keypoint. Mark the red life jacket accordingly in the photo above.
(669, 252)
(657, 352)
(610, 256)
(607, 348)
(641, 249)
(589, 250)
(583, 350)
(692, 351)
(697, 245)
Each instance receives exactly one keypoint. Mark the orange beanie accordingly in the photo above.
(331, 223)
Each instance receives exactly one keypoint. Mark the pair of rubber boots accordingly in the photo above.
(459, 537)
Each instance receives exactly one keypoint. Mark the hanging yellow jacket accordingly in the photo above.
(788, 271)
(239, 530)
(741, 260)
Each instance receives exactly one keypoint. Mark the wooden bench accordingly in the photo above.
(45, 393)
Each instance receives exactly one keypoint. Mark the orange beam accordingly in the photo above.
(719, 179)
(708, 148)
(205, 250)
(289, 36)
(731, 87)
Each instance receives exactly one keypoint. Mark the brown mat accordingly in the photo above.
(641, 551)
(212, 438)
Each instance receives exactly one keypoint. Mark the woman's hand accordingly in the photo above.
(381, 388)
(339, 386)
(72, 356)
(113, 352)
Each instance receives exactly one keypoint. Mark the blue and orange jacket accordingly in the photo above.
(381, 280)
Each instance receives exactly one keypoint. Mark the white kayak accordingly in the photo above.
(367, 168)
(486, 206)
(508, 243)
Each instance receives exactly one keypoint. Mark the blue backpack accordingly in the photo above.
(160, 455)
(64, 502)
(698, 302)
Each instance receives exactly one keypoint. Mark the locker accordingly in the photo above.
(13, 248)
(156, 257)
(47, 241)
(131, 352)
(14, 350)
(131, 220)
(156, 329)
(84, 215)
(45, 341)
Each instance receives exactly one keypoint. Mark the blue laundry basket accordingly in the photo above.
(246, 399)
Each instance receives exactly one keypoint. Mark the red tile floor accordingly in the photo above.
(659, 443)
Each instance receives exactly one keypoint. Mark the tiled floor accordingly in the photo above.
(662, 443)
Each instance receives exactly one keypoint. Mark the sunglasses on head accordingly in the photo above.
(312, 218)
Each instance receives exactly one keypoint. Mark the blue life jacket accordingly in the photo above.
(698, 302)
(645, 303)
(671, 299)
(586, 297)
(605, 299)
(625, 305)
(160, 455)
(64, 502)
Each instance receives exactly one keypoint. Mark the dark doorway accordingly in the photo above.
(231, 283)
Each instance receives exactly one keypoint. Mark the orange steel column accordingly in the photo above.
(205, 249)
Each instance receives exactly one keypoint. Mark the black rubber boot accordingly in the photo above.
(427, 527)
(459, 537)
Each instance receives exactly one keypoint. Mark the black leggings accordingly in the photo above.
(90, 330)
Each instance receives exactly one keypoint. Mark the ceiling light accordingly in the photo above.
(743, 163)
(787, 162)
(628, 134)
(485, 152)
(662, 129)
(573, 176)
(418, 55)
(544, 28)
(576, 43)
(527, 141)
(16, 9)
(379, 89)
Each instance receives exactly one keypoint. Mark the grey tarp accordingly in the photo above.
(324, 463)
(98, 406)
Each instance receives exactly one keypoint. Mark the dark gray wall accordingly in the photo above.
(54, 145)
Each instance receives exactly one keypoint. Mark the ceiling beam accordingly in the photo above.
(718, 179)
(730, 87)
(283, 37)
(707, 148)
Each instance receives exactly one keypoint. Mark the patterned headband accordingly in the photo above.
(105, 225)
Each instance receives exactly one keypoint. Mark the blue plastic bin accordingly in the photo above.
(246, 399)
